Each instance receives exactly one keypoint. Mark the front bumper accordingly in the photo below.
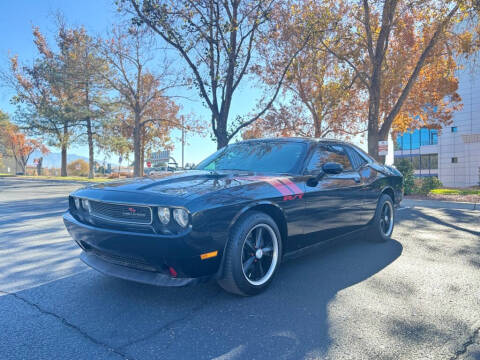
(144, 257)
(127, 273)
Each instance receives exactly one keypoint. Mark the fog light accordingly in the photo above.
(164, 215)
(86, 205)
(181, 217)
(172, 271)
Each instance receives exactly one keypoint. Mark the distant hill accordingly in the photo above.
(54, 159)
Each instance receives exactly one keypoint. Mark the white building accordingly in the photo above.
(452, 154)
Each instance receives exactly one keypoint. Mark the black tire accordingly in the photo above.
(380, 230)
(241, 254)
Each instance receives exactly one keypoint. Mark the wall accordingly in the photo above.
(464, 144)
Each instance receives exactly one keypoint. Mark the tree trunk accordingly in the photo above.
(317, 126)
(142, 151)
(373, 113)
(91, 159)
(63, 171)
(373, 144)
(23, 164)
(221, 132)
(136, 147)
(39, 166)
(373, 138)
(222, 141)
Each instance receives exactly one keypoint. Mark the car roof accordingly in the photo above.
(296, 139)
(309, 140)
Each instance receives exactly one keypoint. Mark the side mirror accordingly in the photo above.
(332, 168)
(327, 168)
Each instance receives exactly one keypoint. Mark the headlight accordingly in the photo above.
(76, 201)
(86, 205)
(164, 215)
(181, 217)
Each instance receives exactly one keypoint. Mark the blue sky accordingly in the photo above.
(16, 21)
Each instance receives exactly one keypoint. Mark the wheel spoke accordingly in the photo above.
(258, 240)
(248, 263)
(267, 250)
(260, 268)
(250, 244)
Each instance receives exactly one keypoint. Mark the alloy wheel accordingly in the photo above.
(386, 218)
(259, 254)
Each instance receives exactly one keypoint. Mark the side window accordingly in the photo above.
(319, 157)
(328, 153)
(357, 160)
(338, 154)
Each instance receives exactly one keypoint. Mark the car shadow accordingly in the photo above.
(459, 225)
(19, 211)
(289, 320)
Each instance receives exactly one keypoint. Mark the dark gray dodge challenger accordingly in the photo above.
(237, 215)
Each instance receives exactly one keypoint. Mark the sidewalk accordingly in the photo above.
(438, 204)
(68, 180)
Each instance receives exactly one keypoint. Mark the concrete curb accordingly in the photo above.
(438, 204)
(49, 180)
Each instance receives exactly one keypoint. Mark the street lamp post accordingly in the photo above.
(183, 141)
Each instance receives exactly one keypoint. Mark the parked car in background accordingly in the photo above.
(237, 215)
(160, 170)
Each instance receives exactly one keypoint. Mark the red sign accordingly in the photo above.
(149, 164)
(382, 148)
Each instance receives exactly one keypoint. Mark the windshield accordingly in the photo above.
(267, 157)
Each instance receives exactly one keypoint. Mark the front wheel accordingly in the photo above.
(381, 227)
(252, 256)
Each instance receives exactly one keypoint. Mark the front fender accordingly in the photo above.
(252, 205)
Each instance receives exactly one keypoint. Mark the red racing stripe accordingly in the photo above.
(283, 189)
(278, 183)
(292, 186)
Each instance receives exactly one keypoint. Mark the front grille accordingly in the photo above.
(128, 261)
(131, 214)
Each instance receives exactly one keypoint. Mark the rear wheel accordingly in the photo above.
(252, 256)
(381, 227)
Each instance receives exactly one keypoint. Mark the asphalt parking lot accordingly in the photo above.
(414, 297)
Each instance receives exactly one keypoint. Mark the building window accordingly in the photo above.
(433, 161)
(413, 140)
(420, 162)
(454, 160)
(454, 129)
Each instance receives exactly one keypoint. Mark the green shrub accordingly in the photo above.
(78, 168)
(455, 192)
(428, 184)
(406, 168)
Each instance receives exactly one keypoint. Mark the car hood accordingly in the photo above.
(187, 184)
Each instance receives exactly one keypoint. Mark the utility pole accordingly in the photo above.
(119, 165)
(183, 141)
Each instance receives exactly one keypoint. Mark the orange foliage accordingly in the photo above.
(433, 98)
(320, 98)
(18, 145)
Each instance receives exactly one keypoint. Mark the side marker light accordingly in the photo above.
(209, 255)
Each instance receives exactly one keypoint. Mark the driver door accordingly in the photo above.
(333, 206)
